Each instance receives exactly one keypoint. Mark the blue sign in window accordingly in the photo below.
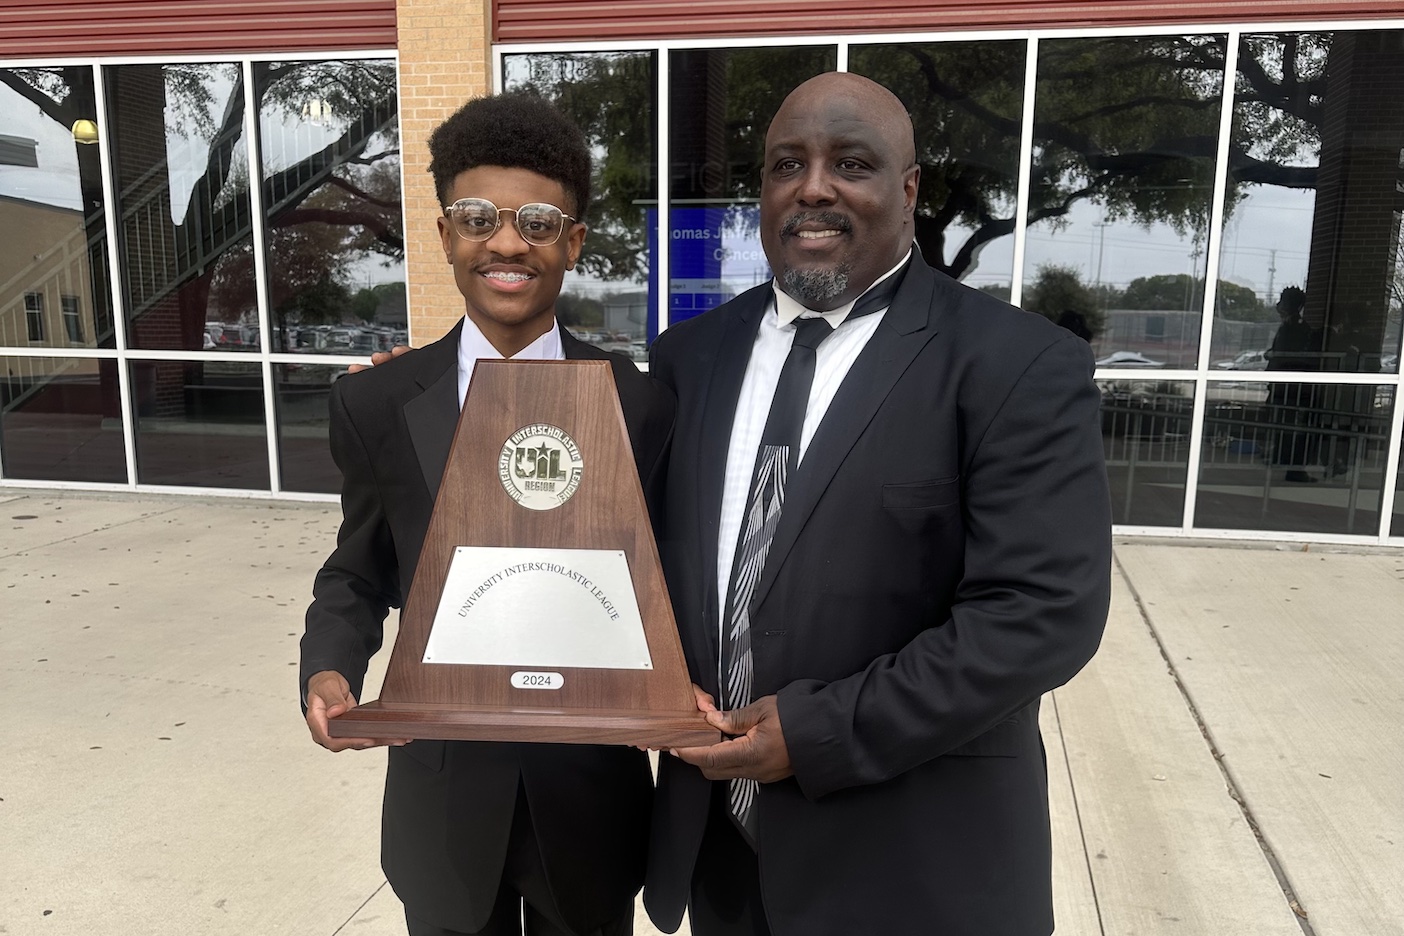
(715, 255)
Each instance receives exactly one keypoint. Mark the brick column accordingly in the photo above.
(445, 58)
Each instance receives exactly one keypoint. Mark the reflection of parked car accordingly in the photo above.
(1146, 409)
(1246, 360)
(1128, 359)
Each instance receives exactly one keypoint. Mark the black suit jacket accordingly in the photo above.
(942, 559)
(448, 805)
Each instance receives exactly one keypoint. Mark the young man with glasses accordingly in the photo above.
(479, 837)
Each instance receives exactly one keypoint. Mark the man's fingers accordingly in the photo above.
(721, 761)
(737, 722)
(705, 702)
(742, 720)
(755, 749)
(377, 358)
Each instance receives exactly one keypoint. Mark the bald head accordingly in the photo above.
(869, 102)
(839, 188)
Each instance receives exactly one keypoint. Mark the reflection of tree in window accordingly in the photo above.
(725, 99)
(1057, 291)
(1131, 124)
(332, 204)
(1324, 113)
(721, 101)
(206, 254)
(965, 100)
(611, 97)
(181, 176)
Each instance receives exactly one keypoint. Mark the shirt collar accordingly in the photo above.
(473, 346)
(787, 308)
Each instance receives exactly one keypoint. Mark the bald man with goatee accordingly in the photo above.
(886, 534)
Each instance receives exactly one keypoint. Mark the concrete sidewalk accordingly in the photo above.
(1229, 763)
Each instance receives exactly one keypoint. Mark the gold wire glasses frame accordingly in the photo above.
(477, 219)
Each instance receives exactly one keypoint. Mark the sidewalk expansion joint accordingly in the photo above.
(347, 922)
(1077, 813)
(1299, 913)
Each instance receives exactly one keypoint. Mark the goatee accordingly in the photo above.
(812, 287)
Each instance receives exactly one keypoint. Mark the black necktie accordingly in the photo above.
(777, 458)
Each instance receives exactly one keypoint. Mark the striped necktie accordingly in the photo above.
(776, 460)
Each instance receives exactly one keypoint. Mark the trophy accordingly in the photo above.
(538, 611)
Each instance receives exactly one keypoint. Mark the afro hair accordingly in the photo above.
(516, 130)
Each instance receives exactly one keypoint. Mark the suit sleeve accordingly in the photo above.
(359, 582)
(1029, 609)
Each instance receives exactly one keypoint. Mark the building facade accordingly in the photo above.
(1211, 194)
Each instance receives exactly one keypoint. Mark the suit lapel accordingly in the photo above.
(721, 394)
(432, 415)
(906, 328)
(576, 350)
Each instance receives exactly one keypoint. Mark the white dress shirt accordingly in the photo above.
(833, 360)
(473, 346)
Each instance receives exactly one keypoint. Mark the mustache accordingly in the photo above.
(833, 219)
(495, 259)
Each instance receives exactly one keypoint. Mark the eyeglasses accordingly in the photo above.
(477, 219)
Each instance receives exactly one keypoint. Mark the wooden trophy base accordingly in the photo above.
(381, 719)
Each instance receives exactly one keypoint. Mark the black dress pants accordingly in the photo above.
(524, 902)
(726, 891)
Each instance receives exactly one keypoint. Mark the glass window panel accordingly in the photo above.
(1313, 223)
(1397, 523)
(609, 299)
(966, 102)
(34, 317)
(1121, 185)
(1146, 434)
(61, 420)
(1298, 457)
(303, 452)
(722, 101)
(72, 319)
(329, 145)
(200, 423)
(53, 229)
(181, 171)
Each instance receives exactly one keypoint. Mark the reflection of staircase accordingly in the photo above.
(31, 375)
(161, 256)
